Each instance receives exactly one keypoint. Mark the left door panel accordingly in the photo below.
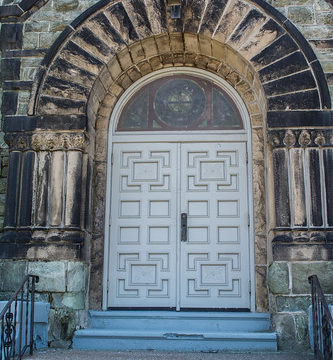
(143, 236)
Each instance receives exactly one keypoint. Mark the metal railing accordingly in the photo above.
(17, 321)
(322, 322)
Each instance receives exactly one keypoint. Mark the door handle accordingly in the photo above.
(183, 217)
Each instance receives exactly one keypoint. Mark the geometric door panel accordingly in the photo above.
(143, 231)
(152, 184)
(215, 257)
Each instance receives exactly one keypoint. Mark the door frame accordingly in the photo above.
(219, 135)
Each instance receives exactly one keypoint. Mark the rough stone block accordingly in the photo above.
(10, 69)
(11, 274)
(76, 276)
(301, 272)
(47, 39)
(150, 47)
(292, 303)
(11, 36)
(278, 278)
(51, 275)
(300, 14)
(75, 301)
(30, 40)
(284, 325)
(65, 5)
(261, 289)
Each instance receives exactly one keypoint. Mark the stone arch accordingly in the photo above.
(246, 42)
(287, 67)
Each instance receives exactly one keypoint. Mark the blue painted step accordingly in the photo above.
(172, 321)
(179, 331)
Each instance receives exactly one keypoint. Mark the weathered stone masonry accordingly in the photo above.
(57, 142)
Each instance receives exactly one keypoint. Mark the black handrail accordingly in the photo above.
(322, 322)
(17, 321)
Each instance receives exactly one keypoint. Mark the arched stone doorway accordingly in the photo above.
(59, 148)
(178, 144)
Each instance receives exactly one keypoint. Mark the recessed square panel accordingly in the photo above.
(130, 208)
(198, 234)
(213, 274)
(228, 234)
(129, 235)
(212, 170)
(159, 234)
(198, 208)
(145, 171)
(159, 208)
(143, 274)
(228, 208)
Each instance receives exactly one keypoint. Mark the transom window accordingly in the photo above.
(180, 103)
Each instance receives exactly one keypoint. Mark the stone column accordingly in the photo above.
(45, 197)
(302, 163)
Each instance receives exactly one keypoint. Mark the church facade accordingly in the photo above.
(165, 156)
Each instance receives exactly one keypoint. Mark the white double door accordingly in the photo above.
(153, 263)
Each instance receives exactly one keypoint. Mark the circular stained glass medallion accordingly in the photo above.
(180, 103)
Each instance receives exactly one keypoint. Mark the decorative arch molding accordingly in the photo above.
(288, 69)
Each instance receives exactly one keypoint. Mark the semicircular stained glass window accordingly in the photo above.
(180, 103)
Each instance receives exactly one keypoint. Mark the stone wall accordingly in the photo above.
(28, 40)
(290, 299)
(42, 27)
(62, 284)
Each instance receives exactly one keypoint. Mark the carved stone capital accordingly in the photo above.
(49, 141)
(290, 138)
(18, 141)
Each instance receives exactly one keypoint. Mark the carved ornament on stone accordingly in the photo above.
(300, 138)
(289, 138)
(44, 141)
(18, 141)
(304, 138)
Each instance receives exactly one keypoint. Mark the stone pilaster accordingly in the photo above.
(302, 162)
(45, 199)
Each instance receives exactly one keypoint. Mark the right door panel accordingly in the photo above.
(214, 194)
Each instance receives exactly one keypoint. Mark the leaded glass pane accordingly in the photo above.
(135, 115)
(224, 113)
(179, 103)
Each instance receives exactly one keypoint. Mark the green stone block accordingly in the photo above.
(47, 39)
(30, 41)
(278, 278)
(3, 185)
(77, 275)
(65, 5)
(325, 18)
(292, 303)
(51, 275)
(300, 14)
(74, 301)
(284, 326)
(301, 272)
(302, 334)
(36, 26)
(12, 274)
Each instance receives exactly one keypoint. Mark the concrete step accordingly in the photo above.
(172, 321)
(103, 339)
(178, 331)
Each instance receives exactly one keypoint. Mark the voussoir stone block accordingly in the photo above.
(51, 275)
(278, 278)
(301, 272)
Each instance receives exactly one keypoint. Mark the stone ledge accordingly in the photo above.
(302, 252)
(47, 122)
